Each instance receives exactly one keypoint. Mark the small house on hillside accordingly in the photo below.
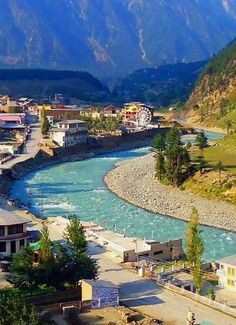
(99, 294)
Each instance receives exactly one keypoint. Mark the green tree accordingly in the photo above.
(160, 166)
(159, 143)
(75, 236)
(194, 244)
(45, 125)
(46, 253)
(211, 293)
(81, 265)
(14, 310)
(23, 271)
(201, 141)
(177, 157)
(195, 248)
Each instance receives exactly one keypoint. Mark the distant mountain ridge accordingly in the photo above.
(40, 84)
(111, 38)
(163, 86)
(213, 101)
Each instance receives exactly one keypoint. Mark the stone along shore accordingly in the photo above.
(134, 181)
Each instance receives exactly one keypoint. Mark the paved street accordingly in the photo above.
(151, 299)
(30, 149)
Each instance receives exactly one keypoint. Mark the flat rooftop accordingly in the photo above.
(71, 121)
(8, 218)
(230, 260)
(124, 243)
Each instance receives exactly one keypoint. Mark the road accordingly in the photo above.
(30, 149)
(151, 299)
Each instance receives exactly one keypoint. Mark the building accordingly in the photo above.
(13, 233)
(137, 113)
(99, 294)
(227, 272)
(69, 133)
(59, 114)
(128, 247)
(111, 111)
(171, 250)
(9, 105)
(12, 119)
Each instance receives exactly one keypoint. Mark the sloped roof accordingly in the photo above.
(8, 218)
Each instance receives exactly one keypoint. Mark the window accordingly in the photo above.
(158, 252)
(3, 246)
(22, 243)
(16, 229)
(231, 272)
(230, 283)
(2, 231)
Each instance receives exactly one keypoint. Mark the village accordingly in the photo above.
(25, 127)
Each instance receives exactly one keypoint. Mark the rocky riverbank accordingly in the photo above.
(134, 181)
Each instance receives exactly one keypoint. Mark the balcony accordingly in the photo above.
(21, 235)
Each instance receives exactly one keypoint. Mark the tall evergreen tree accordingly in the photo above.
(160, 166)
(45, 125)
(81, 265)
(159, 143)
(201, 141)
(46, 253)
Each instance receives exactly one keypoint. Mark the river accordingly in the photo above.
(78, 187)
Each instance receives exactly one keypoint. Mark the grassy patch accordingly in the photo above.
(209, 184)
(41, 290)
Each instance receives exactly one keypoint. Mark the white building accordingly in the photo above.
(69, 133)
(227, 272)
(13, 233)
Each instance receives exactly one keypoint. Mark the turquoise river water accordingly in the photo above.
(78, 187)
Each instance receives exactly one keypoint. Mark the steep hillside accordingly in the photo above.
(111, 38)
(44, 83)
(213, 101)
(162, 86)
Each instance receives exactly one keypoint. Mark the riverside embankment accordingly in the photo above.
(134, 181)
(47, 157)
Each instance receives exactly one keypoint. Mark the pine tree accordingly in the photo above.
(45, 125)
(46, 254)
(159, 143)
(160, 166)
(75, 236)
(201, 141)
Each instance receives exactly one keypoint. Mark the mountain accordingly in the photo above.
(39, 84)
(111, 38)
(213, 101)
(168, 84)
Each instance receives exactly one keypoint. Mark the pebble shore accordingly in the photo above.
(134, 181)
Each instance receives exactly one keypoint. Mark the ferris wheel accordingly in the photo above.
(144, 116)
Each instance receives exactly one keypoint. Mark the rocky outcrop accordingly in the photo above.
(134, 181)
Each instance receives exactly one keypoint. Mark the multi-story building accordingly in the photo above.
(13, 233)
(227, 272)
(69, 133)
(137, 112)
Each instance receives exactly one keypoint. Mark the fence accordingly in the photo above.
(204, 300)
